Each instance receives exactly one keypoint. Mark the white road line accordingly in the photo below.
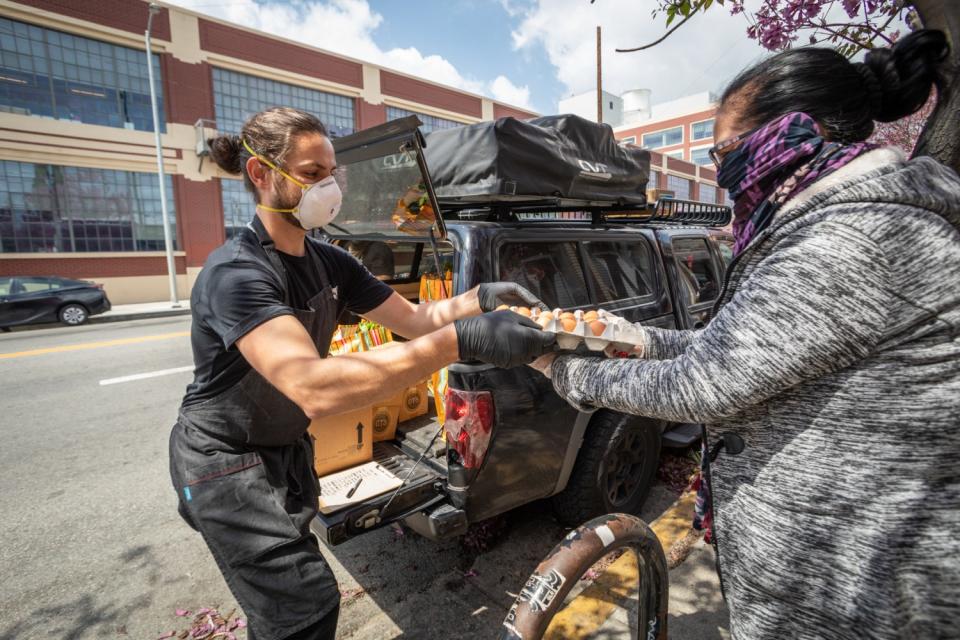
(143, 376)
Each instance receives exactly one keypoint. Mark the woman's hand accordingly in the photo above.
(544, 363)
(635, 352)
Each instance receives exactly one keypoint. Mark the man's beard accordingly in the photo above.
(287, 201)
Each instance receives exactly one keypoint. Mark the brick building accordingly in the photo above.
(680, 130)
(78, 189)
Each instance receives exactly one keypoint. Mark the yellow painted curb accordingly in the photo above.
(586, 613)
(93, 345)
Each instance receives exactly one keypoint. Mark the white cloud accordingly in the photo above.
(701, 56)
(505, 91)
(347, 27)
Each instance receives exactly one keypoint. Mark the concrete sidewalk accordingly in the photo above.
(123, 312)
(696, 610)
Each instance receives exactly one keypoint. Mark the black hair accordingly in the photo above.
(271, 133)
(844, 97)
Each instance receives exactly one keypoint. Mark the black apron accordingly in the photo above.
(242, 465)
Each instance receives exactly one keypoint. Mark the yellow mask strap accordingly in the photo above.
(278, 170)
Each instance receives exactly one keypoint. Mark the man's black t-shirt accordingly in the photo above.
(238, 290)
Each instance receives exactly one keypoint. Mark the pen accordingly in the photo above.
(354, 489)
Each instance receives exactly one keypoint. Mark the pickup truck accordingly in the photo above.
(509, 439)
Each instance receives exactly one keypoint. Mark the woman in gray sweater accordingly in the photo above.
(833, 356)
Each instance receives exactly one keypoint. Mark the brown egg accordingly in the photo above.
(544, 319)
(502, 307)
(524, 311)
(568, 324)
(567, 314)
(590, 316)
(597, 327)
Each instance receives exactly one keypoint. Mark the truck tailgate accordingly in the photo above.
(421, 490)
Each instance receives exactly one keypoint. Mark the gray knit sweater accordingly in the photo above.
(834, 353)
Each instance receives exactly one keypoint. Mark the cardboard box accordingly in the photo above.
(342, 441)
(414, 402)
(385, 417)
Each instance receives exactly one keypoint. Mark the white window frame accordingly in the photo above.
(710, 137)
(670, 154)
(682, 176)
(716, 190)
(628, 140)
(706, 146)
(650, 133)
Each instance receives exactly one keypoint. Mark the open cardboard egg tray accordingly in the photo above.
(619, 333)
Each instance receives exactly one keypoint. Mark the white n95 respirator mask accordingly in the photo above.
(319, 202)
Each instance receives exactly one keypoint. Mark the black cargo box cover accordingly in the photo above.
(510, 160)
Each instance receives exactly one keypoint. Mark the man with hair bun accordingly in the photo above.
(265, 307)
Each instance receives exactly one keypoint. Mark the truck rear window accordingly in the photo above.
(551, 270)
(698, 280)
(620, 270)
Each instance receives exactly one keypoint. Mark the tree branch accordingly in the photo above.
(666, 35)
(823, 26)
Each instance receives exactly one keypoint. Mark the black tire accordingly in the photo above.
(73, 314)
(614, 469)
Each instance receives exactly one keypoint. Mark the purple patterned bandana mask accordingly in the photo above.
(779, 160)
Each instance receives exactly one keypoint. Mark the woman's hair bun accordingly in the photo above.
(906, 73)
(227, 152)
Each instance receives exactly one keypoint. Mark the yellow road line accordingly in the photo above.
(93, 345)
(585, 614)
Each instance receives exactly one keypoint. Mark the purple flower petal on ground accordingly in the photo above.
(168, 634)
(181, 613)
(471, 574)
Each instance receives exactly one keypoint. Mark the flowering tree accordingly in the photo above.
(856, 25)
(905, 132)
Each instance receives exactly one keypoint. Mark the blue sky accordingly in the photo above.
(530, 53)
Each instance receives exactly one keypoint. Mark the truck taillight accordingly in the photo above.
(469, 423)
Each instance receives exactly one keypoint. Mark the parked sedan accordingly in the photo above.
(31, 299)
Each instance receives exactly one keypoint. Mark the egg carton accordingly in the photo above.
(616, 332)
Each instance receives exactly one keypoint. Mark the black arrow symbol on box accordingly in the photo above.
(359, 435)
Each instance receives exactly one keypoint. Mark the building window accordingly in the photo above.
(57, 75)
(708, 193)
(654, 180)
(701, 130)
(629, 140)
(663, 138)
(727, 200)
(238, 206)
(237, 96)
(678, 154)
(701, 156)
(430, 123)
(50, 208)
(679, 186)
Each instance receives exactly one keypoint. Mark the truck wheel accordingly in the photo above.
(614, 469)
(73, 314)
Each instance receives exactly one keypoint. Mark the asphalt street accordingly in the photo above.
(92, 543)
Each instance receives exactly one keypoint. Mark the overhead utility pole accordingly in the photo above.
(599, 81)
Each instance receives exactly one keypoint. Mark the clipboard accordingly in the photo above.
(374, 480)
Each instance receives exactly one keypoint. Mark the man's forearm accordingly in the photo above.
(431, 316)
(341, 383)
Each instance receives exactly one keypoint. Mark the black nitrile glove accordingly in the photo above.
(494, 294)
(502, 338)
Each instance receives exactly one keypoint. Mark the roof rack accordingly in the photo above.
(666, 211)
(673, 211)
